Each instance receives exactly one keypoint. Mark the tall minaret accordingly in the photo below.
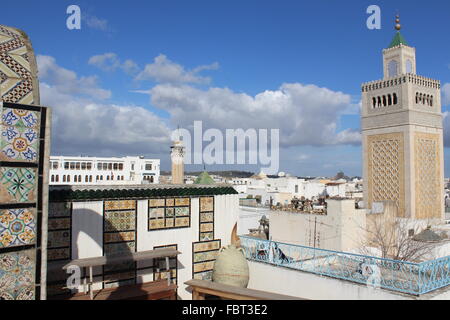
(177, 156)
(402, 133)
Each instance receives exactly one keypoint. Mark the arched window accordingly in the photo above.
(417, 97)
(393, 68)
(90, 178)
(409, 68)
(86, 178)
(75, 178)
(374, 103)
(389, 100)
(395, 98)
(57, 178)
(68, 178)
(53, 178)
(384, 101)
(379, 101)
(64, 178)
(431, 101)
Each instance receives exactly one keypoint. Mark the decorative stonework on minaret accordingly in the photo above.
(177, 156)
(402, 136)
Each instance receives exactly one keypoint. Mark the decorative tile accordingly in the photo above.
(59, 209)
(205, 256)
(19, 144)
(206, 204)
(156, 224)
(17, 275)
(120, 220)
(119, 236)
(170, 202)
(182, 222)
(17, 185)
(203, 276)
(116, 248)
(170, 212)
(206, 227)
(57, 239)
(203, 266)
(182, 211)
(156, 212)
(120, 205)
(206, 236)
(17, 227)
(156, 203)
(206, 217)
(20, 118)
(58, 223)
(182, 201)
(170, 222)
(58, 254)
(206, 246)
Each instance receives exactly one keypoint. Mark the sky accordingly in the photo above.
(136, 70)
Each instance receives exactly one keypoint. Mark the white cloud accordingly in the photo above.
(110, 62)
(305, 114)
(83, 125)
(446, 94)
(67, 81)
(164, 70)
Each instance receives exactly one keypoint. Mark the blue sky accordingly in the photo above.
(238, 58)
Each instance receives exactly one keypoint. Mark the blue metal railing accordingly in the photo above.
(400, 276)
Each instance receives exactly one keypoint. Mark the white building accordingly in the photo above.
(107, 171)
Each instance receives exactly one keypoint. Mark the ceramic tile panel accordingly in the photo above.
(206, 227)
(119, 237)
(206, 236)
(58, 254)
(206, 204)
(18, 185)
(206, 217)
(120, 247)
(156, 203)
(20, 118)
(182, 201)
(19, 144)
(17, 275)
(120, 220)
(206, 246)
(57, 239)
(204, 255)
(120, 205)
(182, 222)
(59, 209)
(59, 224)
(161, 213)
(17, 227)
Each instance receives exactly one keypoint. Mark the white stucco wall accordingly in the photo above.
(310, 286)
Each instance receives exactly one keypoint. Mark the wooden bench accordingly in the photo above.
(200, 288)
(155, 290)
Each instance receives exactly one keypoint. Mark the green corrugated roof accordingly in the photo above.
(398, 39)
(204, 179)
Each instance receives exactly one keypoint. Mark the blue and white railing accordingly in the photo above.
(401, 276)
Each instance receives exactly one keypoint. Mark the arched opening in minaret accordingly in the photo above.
(389, 100)
(379, 102)
(417, 97)
(395, 98)
(431, 101)
(384, 101)
(393, 68)
(374, 103)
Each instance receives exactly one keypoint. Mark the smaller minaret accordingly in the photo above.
(177, 156)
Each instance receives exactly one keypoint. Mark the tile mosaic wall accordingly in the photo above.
(169, 213)
(204, 254)
(119, 237)
(22, 162)
(206, 227)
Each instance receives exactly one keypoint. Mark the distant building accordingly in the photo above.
(107, 171)
(177, 157)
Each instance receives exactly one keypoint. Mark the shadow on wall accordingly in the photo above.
(113, 241)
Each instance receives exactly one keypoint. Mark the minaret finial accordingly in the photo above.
(398, 26)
